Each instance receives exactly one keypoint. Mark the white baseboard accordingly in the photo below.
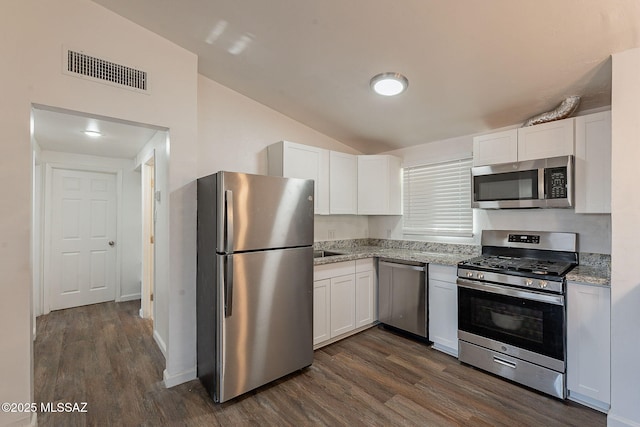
(445, 349)
(614, 420)
(182, 377)
(129, 297)
(588, 401)
(24, 419)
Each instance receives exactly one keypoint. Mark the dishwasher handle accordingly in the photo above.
(407, 266)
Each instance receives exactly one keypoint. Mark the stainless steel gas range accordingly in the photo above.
(511, 307)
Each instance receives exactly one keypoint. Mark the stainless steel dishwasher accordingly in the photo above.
(402, 298)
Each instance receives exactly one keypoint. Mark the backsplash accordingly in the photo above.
(595, 260)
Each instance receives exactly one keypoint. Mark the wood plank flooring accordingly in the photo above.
(105, 355)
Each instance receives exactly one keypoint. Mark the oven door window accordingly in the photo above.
(521, 185)
(531, 325)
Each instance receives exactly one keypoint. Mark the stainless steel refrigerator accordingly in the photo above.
(254, 280)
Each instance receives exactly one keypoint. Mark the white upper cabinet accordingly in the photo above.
(542, 141)
(343, 183)
(495, 148)
(292, 160)
(593, 163)
(546, 140)
(379, 185)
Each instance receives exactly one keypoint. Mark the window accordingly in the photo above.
(437, 199)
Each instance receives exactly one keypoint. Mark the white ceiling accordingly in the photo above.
(472, 65)
(61, 130)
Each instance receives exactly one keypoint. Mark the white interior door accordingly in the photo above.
(83, 231)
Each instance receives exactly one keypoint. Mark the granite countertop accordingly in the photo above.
(595, 269)
(393, 254)
(591, 275)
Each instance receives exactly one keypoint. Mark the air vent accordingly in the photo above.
(84, 65)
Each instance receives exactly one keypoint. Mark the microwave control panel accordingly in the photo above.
(556, 183)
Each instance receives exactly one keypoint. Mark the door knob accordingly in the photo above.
(112, 243)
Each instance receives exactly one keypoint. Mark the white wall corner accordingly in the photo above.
(161, 344)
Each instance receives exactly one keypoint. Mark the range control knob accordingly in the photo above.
(543, 284)
(480, 276)
(469, 274)
(528, 282)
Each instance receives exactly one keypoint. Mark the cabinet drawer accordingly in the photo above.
(445, 273)
(327, 271)
(364, 265)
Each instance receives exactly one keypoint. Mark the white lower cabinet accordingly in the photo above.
(344, 299)
(321, 313)
(343, 305)
(366, 292)
(443, 308)
(589, 345)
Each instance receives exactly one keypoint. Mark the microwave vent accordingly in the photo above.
(94, 68)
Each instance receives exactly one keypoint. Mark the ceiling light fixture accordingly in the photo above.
(92, 133)
(389, 84)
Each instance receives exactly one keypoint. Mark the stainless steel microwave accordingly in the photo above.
(545, 183)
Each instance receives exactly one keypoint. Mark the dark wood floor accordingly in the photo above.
(105, 355)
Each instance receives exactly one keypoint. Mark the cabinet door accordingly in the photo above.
(443, 309)
(495, 148)
(292, 160)
(593, 163)
(321, 311)
(588, 343)
(379, 185)
(343, 312)
(551, 139)
(343, 196)
(365, 302)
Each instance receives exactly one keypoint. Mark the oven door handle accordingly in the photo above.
(503, 290)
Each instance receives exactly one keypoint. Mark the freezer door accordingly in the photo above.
(259, 212)
(265, 321)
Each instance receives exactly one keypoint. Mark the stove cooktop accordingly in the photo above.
(506, 264)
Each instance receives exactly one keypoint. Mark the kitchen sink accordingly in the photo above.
(322, 254)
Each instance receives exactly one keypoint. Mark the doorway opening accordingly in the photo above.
(130, 162)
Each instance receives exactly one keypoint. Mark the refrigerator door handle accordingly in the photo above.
(228, 229)
(228, 285)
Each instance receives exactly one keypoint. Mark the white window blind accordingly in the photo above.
(437, 199)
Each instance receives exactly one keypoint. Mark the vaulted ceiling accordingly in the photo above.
(472, 65)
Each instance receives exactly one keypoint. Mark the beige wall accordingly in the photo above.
(625, 250)
(234, 131)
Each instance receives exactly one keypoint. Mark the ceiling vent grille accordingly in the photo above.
(81, 64)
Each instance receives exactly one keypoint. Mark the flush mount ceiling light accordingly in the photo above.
(389, 84)
(92, 133)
